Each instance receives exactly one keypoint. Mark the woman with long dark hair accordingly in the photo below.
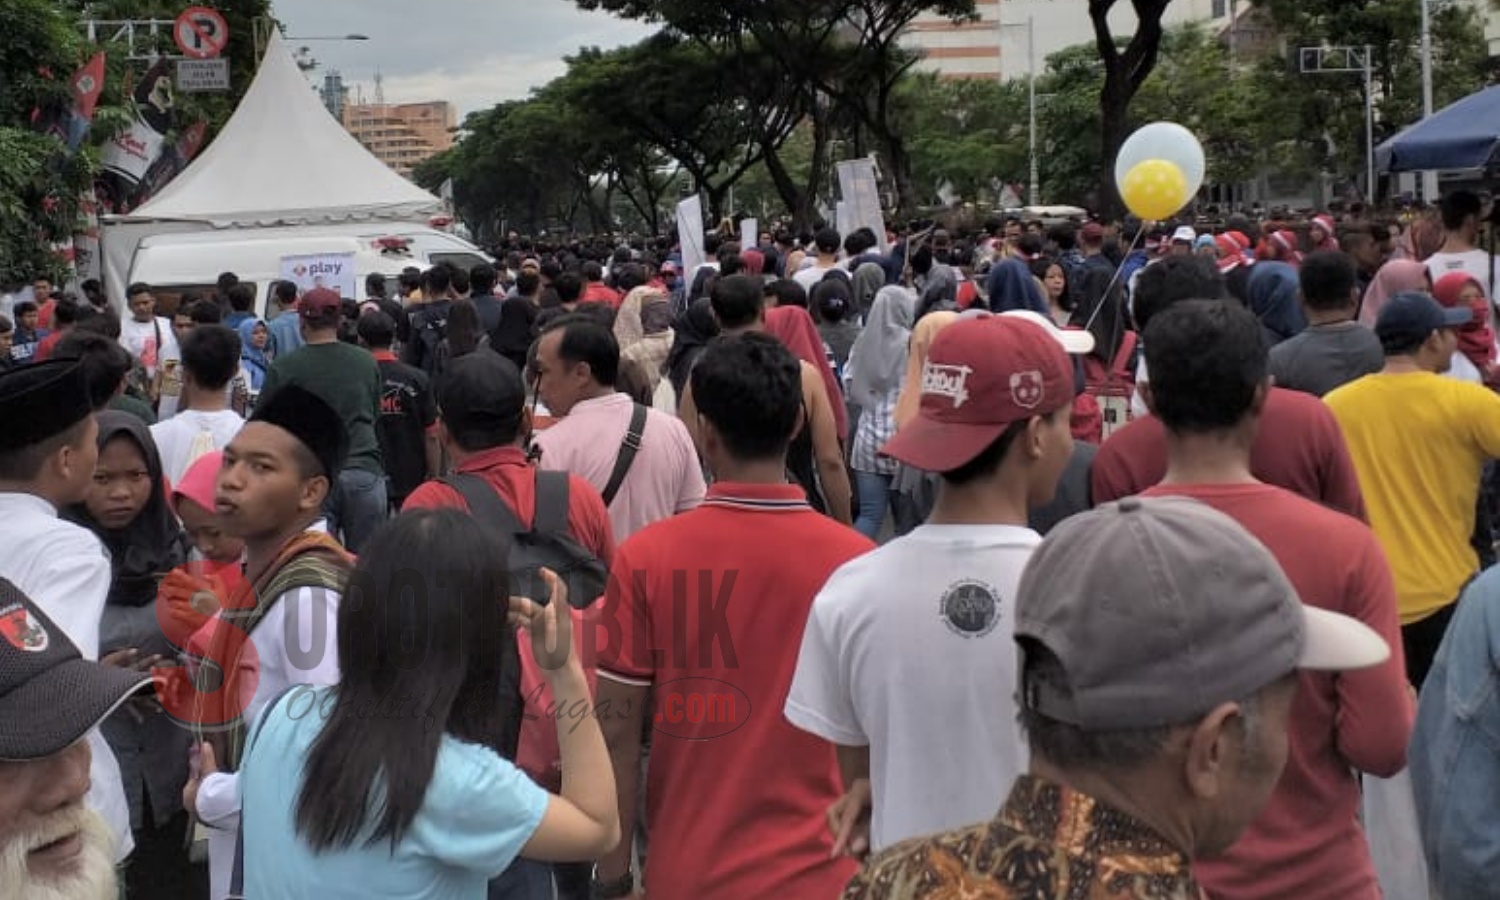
(392, 783)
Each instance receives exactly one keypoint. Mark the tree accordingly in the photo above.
(964, 135)
(1125, 70)
(836, 61)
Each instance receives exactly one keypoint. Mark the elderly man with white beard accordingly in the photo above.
(52, 846)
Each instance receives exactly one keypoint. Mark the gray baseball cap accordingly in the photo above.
(1160, 609)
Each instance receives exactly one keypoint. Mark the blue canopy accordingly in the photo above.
(1465, 135)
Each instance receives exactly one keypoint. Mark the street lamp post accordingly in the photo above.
(1350, 59)
(262, 26)
(1034, 187)
(1429, 177)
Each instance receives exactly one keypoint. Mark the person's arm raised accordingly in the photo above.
(583, 822)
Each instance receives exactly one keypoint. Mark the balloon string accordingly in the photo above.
(1115, 278)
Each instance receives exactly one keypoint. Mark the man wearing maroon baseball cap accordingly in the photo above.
(907, 661)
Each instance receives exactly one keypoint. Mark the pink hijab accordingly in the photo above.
(199, 481)
(1394, 277)
(793, 326)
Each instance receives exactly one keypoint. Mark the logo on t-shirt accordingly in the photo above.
(970, 608)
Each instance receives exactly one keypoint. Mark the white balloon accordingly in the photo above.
(1164, 140)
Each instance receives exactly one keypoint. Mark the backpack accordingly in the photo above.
(545, 543)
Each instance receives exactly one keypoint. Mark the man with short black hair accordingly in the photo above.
(1460, 253)
(429, 321)
(285, 327)
(738, 306)
(1160, 645)
(48, 452)
(928, 743)
(407, 427)
(106, 368)
(147, 336)
(827, 243)
(758, 554)
(210, 360)
(482, 281)
(1334, 349)
(1209, 387)
(1419, 441)
(347, 379)
(1299, 446)
(241, 305)
(641, 460)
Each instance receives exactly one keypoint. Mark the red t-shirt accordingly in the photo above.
(1299, 447)
(599, 292)
(709, 608)
(506, 470)
(1307, 843)
(48, 344)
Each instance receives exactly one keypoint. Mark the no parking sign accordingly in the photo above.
(201, 33)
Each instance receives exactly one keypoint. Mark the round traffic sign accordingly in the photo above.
(201, 33)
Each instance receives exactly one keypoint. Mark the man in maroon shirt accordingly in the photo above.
(1209, 389)
(1299, 446)
(705, 611)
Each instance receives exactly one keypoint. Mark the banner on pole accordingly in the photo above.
(860, 191)
(690, 236)
(749, 233)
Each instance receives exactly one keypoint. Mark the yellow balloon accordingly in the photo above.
(1154, 189)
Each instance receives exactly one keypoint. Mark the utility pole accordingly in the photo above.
(1429, 177)
(1034, 188)
(1334, 60)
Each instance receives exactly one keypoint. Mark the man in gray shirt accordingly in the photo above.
(1334, 348)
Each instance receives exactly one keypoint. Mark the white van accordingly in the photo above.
(175, 264)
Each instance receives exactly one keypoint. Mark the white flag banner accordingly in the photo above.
(690, 235)
(861, 195)
(749, 234)
(842, 219)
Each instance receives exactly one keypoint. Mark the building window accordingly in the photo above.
(1220, 9)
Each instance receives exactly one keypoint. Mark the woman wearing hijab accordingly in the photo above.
(691, 333)
(876, 367)
(126, 508)
(1012, 286)
(1475, 358)
(794, 327)
(643, 329)
(867, 281)
(1281, 246)
(255, 355)
(754, 262)
(1273, 288)
(1395, 277)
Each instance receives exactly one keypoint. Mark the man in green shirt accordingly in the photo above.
(347, 379)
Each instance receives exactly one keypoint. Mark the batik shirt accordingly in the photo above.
(1048, 843)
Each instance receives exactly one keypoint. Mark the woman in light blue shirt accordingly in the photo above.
(392, 784)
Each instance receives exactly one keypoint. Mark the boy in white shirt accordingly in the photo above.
(908, 662)
(210, 359)
(1460, 211)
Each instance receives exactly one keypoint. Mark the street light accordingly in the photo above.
(1429, 178)
(262, 26)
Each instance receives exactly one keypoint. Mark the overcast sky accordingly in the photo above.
(473, 53)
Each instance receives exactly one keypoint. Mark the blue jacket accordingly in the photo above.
(1455, 749)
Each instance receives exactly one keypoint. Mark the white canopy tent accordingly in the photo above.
(282, 159)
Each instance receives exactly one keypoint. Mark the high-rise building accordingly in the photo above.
(402, 135)
(1000, 43)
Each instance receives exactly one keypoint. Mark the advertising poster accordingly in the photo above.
(333, 271)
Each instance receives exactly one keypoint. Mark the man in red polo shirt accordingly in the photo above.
(484, 425)
(706, 610)
(1209, 388)
(1299, 445)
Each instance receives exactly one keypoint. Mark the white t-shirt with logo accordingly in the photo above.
(188, 435)
(910, 650)
(140, 338)
(1474, 263)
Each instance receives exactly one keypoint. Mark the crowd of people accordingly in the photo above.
(1100, 560)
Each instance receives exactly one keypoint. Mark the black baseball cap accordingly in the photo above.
(481, 393)
(50, 696)
(1413, 314)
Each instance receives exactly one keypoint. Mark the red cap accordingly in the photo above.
(981, 375)
(319, 302)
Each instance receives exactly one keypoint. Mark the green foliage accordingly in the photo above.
(966, 134)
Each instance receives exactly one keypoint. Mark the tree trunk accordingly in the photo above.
(899, 162)
(1124, 72)
(791, 195)
(1114, 106)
